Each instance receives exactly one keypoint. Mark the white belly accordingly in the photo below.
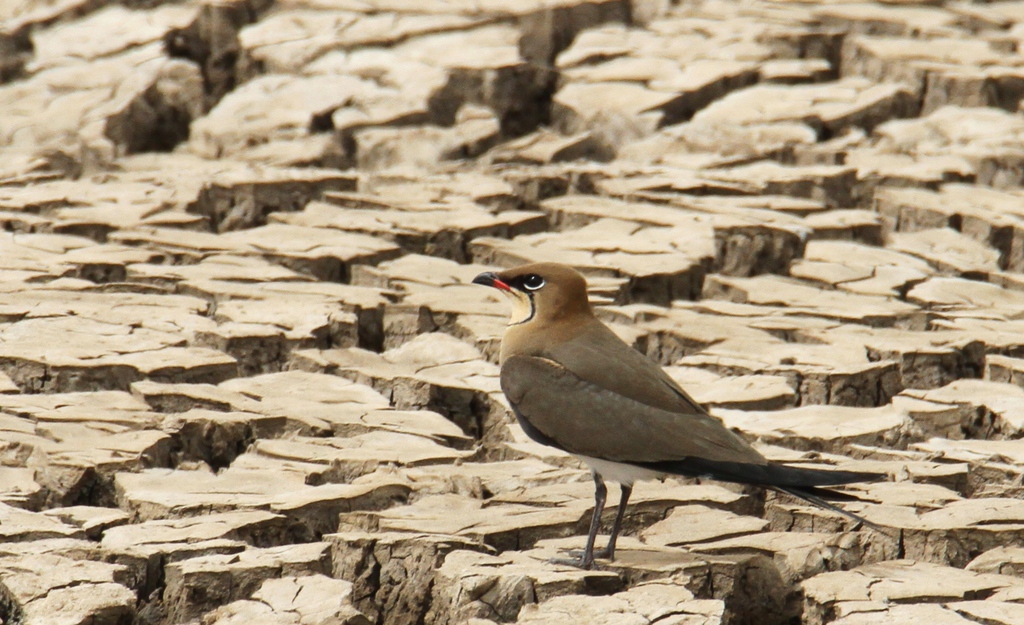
(619, 472)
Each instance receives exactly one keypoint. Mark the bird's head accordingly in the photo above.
(540, 292)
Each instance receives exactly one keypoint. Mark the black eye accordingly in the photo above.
(532, 282)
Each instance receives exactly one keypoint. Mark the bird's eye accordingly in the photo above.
(532, 282)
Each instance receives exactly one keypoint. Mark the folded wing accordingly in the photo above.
(586, 419)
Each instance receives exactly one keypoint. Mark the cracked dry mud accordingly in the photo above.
(244, 377)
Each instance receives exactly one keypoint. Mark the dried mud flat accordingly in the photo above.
(244, 377)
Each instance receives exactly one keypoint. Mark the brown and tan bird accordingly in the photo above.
(574, 385)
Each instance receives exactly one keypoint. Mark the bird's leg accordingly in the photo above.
(600, 496)
(609, 551)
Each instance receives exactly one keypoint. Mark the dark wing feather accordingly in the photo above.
(584, 418)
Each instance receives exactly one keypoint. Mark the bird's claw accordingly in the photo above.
(578, 559)
(603, 554)
(575, 562)
(579, 563)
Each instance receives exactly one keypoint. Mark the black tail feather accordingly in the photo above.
(813, 496)
(770, 475)
(799, 482)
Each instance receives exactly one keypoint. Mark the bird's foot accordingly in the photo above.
(578, 558)
(603, 554)
(578, 562)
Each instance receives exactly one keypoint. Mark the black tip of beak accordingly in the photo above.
(487, 278)
(491, 279)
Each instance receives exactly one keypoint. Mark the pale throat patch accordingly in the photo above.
(522, 307)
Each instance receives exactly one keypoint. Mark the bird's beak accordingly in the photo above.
(489, 278)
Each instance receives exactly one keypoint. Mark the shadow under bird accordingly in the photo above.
(574, 385)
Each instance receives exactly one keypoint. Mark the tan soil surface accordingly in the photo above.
(245, 377)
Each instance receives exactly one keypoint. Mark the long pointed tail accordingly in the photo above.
(769, 475)
(804, 484)
(815, 496)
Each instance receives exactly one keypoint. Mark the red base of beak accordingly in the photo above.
(491, 279)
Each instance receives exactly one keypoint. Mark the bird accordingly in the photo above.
(573, 384)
